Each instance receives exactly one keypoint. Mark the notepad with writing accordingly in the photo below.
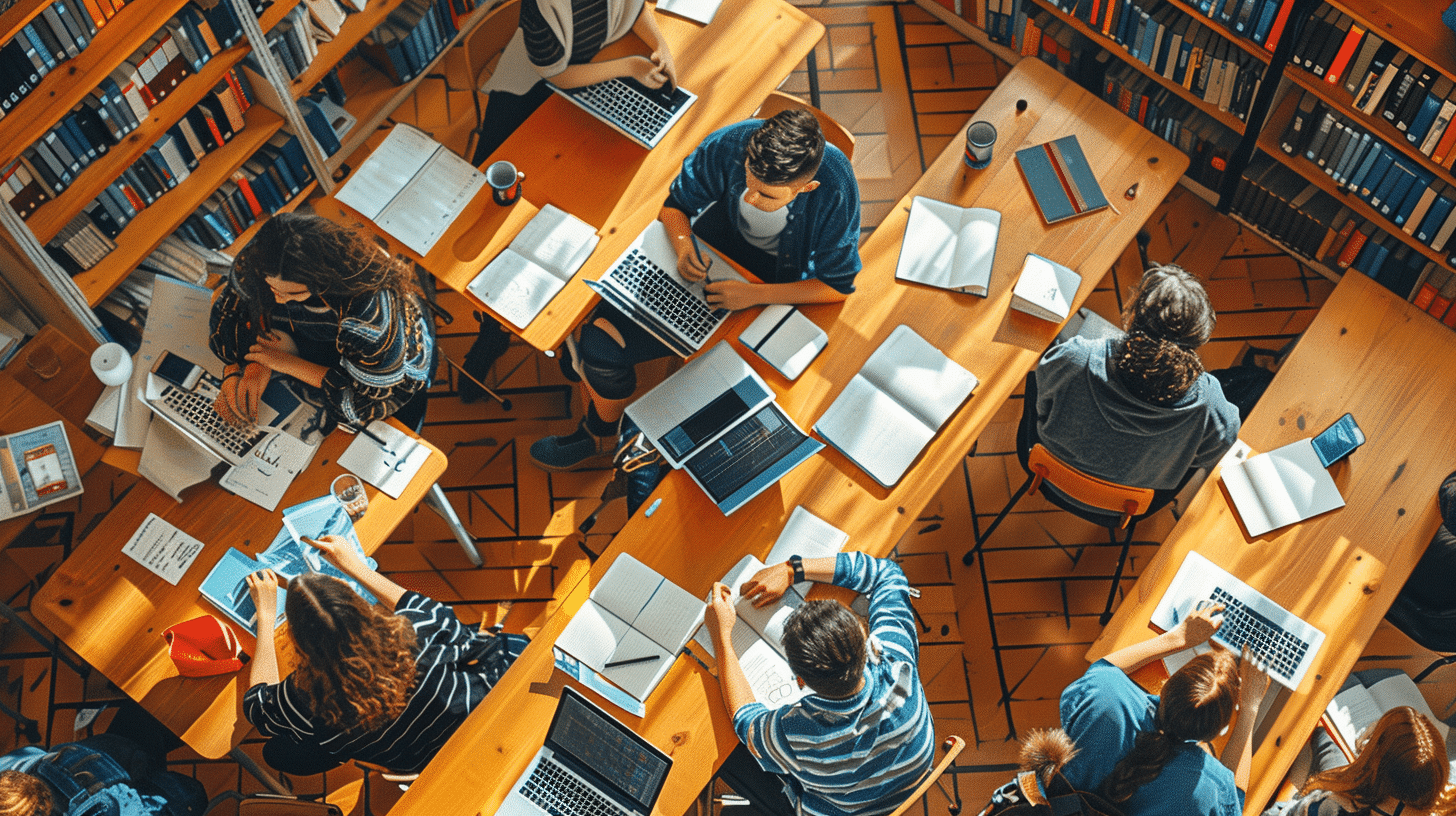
(894, 406)
(1045, 289)
(785, 339)
(1281, 487)
(632, 626)
(948, 246)
(1061, 180)
(521, 280)
(757, 639)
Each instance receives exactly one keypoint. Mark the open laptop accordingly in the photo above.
(634, 110)
(190, 411)
(591, 765)
(644, 285)
(717, 418)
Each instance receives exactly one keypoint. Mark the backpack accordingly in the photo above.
(1043, 754)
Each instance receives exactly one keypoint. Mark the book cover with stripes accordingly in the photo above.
(1061, 181)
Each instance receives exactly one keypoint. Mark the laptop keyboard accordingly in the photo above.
(562, 794)
(665, 298)
(1266, 639)
(196, 410)
(632, 106)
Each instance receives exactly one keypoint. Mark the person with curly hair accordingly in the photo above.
(1149, 754)
(1401, 770)
(1139, 409)
(370, 685)
(328, 307)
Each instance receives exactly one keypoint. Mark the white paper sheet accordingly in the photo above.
(162, 548)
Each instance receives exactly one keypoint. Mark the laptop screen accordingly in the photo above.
(597, 741)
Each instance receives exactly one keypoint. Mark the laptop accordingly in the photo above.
(644, 285)
(1274, 634)
(716, 418)
(634, 110)
(191, 412)
(591, 765)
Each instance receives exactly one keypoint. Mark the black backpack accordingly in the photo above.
(1039, 789)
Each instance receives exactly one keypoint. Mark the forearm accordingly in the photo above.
(264, 668)
(804, 291)
(590, 73)
(646, 28)
(1134, 657)
(1238, 753)
(387, 591)
(731, 679)
(298, 368)
(679, 229)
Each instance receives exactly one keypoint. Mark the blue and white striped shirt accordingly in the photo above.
(862, 754)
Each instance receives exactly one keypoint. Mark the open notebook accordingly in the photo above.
(521, 280)
(1281, 487)
(948, 246)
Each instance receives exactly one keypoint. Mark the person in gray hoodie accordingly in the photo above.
(1139, 409)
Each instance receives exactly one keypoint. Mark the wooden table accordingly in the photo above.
(112, 610)
(582, 166)
(21, 410)
(691, 543)
(1370, 353)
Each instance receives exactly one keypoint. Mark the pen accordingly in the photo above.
(372, 435)
(698, 251)
(634, 661)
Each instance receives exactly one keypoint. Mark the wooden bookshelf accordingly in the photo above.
(355, 27)
(1318, 266)
(1413, 25)
(1239, 41)
(16, 17)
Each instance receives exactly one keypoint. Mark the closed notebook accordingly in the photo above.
(1061, 180)
(948, 246)
(785, 338)
(1045, 289)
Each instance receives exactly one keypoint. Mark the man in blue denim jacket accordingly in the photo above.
(770, 194)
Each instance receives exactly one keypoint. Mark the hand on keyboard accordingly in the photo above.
(731, 294)
(1200, 625)
(646, 72)
(1253, 681)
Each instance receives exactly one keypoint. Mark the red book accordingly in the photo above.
(232, 81)
(1424, 297)
(1064, 54)
(131, 195)
(1450, 318)
(1352, 249)
(1107, 18)
(1278, 27)
(1443, 147)
(1095, 14)
(1124, 100)
(212, 126)
(248, 195)
(1345, 54)
(1030, 38)
(1438, 306)
(1142, 109)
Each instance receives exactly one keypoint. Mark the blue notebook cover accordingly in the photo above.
(1061, 180)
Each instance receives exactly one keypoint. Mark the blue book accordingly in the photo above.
(75, 140)
(318, 125)
(1265, 21)
(1348, 166)
(1126, 24)
(1358, 176)
(1401, 211)
(1423, 119)
(1378, 259)
(1336, 162)
(1367, 252)
(1185, 49)
(1147, 52)
(1435, 217)
(1398, 175)
(39, 45)
(1377, 174)
(1061, 180)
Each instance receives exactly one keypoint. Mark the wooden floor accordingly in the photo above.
(1000, 639)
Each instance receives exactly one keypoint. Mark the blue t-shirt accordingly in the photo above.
(1103, 711)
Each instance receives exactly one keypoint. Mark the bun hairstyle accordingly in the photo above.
(1167, 318)
(1402, 757)
(1196, 703)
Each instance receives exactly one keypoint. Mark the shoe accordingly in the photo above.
(559, 453)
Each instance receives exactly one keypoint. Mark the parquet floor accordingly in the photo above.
(1000, 638)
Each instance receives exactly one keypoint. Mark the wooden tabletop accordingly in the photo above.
(1372, 354)
(21, 410)
(691, 543)
(112, 611)
(582, 166)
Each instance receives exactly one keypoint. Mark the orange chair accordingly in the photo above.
(952, 746)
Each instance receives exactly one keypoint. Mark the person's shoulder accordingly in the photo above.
(1076, 351)
(1222, 412)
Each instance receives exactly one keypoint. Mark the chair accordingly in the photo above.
(273, 804)
(1114, 506)
(834, 133)
(412, 416)
(952, 747)
(1425, 611)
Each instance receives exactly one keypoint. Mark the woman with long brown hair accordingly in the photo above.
(1401, 770)
(387, 688)
(1149, 754)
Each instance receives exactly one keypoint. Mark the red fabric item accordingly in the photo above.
(204, 646)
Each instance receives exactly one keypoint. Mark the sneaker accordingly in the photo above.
(558, 453)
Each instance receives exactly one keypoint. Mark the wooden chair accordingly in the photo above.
(952, 747)
(834, 133)
(483, 48)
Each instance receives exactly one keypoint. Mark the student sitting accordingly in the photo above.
(1401, 770)
(383, 688)
(771, 195)
(556, 40)
(1148, 754)
(1139, 409)
(861, 742)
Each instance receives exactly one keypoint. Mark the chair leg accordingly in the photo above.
(50, 644)
(970, 557)
(813, 72)
(1117, 576)
(435, 498)
(1443, 661)
(504, 403)
(269, 780)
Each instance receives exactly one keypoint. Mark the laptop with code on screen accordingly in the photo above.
(590, 765)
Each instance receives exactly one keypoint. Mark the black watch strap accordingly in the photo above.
(797, 563)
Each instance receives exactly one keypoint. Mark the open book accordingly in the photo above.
(897, 402)
(37, 469)
(949, 246)
(412, 187)
(758, 639)
(540, 260)
(1358, 707)
(1281, 487)
(632, 626)
(1045, 289)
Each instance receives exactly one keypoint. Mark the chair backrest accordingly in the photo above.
(834, 133)
(489, 39)
(952, 747)
(1089, 490)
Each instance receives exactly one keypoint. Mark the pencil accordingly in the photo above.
(632, 662)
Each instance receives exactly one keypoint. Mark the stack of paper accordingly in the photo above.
(540, 260)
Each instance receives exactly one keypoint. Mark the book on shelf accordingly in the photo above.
(948, 246)
(894, 405)
(1282, 487)
(519, 282)
(1045, 289)
(37, 467)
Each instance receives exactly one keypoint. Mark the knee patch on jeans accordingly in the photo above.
(604, 361)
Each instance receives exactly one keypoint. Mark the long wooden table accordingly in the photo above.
(691, 543)
(582, 166)
(112, 610)
(1378, 357)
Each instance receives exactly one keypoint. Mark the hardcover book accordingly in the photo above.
(1061, 180)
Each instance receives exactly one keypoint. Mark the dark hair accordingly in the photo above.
(1402, 757)
(356, 663)
(335, 263)
(1167, 317)
(1196, 703)
(825, 645)
(24, 795)
(786, 148)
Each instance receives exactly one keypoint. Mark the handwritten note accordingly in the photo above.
(162, 548)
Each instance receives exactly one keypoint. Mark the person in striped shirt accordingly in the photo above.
(864, 738)
(384, 688)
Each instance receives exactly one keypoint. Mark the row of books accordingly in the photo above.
(58, 33)
(123, 312)
(1059, 45)
(1436, 294)
(274, 175)
(412, 36)
(80, 245)
(1262, 21)
(294, 42)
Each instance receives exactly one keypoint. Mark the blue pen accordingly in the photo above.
(698, 250)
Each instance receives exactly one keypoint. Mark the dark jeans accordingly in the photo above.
(504, 112)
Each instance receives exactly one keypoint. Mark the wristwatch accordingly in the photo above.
(797, 563)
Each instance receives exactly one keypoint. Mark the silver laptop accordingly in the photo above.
(634, 110)
(591, 765)
(1273, 633)
(191, 412)
(644, 285)
(717, 418)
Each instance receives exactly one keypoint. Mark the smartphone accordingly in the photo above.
(1337, 441)
(178, 371)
